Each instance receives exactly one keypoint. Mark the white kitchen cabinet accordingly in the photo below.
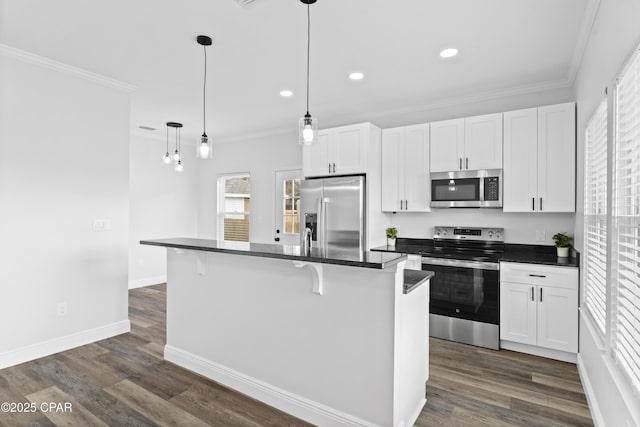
(539, 159)
(405, 169)
(447, 145)
(539, 305)
(472, 143)
(338, 151)
(483, 142)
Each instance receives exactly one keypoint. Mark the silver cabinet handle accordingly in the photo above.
(406, 204)
(460, 163)
(533, 203)
(467, 159)
(334, 168)
(537, 275)
(533, 298)
(540, 203)
(400, 204)
(329, 167)
(540, 294)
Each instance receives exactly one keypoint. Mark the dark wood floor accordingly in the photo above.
(124, 381)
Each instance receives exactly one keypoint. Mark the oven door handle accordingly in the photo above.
(461, 263)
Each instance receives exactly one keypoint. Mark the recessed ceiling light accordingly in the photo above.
(356, 76)
(449, 53)
(285, 93)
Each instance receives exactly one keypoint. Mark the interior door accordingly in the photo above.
(287, 207)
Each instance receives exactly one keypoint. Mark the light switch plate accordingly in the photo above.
(541, 236)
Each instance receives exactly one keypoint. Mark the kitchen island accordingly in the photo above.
(335, 339)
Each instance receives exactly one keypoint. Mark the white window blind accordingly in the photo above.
(626, 224)
(595, 217)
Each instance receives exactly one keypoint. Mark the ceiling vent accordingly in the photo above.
(245, 3)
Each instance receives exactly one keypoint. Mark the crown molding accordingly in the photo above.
(588, 20)
(292, 130)
(160, 136)
(41, 61)
(455, 101)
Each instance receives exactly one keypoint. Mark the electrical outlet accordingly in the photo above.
(62, 309)
(541, 236)
(101, 224)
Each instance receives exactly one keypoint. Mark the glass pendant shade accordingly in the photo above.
(203, 150)
(307, 129)
(179, 167)
(167, 158)
(176, 155)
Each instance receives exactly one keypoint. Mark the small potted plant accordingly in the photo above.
(392, 232)
(563, 243)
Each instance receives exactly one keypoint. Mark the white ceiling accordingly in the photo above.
(505, 46)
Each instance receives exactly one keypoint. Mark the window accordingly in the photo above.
(291, 206)
(625, 338)
(234, 201)
(595, 217)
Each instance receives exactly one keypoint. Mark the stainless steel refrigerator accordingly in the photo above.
(332, 214)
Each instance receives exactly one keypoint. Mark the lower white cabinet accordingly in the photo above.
(539, 305)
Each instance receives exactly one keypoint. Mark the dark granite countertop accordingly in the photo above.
(415, 278)
(346, 257)
(528, 254)
(539, 254)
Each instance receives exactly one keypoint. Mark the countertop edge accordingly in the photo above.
(349, 263)
(414, 279)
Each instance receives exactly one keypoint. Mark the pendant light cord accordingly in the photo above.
(204, 93)
(308, 51)
(167, 139)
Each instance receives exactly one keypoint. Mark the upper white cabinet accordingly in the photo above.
(539, 306)
(471, 143)
(539, 159)
(338, 151)
(405, 169)
(447, 145)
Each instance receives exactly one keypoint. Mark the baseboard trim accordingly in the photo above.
(288, 402)
(563, 356)
(147, 281)
(596, 413)
(56, 345)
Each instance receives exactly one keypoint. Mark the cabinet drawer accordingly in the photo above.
(542, 275)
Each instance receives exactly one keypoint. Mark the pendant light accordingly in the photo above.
(204, 148)
(308, 126)
(176, 153)
(167, 156)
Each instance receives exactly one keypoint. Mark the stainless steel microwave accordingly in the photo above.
(467, 189)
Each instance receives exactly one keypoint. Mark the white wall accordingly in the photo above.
(614, 36)
(261, 156)
(63, 163)
(519, 227)
(162, 204)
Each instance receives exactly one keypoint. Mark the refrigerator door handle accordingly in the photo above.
(324, 201)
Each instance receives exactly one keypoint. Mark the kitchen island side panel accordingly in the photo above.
(259, 317)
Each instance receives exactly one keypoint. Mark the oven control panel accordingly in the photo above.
(492, 234)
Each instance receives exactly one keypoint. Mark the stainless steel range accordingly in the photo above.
(465, 292)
